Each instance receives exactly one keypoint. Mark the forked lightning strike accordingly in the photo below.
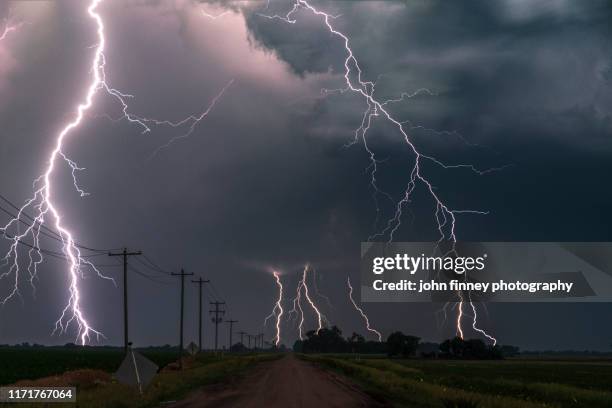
(297, 304)
(277, 311)
(297, 310)
(43, 203)
(444, 216)
(8, 29)
(360, 310)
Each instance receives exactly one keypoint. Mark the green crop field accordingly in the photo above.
(469, 384)
(21, 363)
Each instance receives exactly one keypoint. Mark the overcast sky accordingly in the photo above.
(266, 180)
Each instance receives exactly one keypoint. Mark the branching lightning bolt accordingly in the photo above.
(277, 311)
(444, 216)
(9, 28)
(360, 310)
(192, 120)
(43, 203)
(297, 310)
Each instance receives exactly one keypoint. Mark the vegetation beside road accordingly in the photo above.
(470, 384)
(168, 385)
(32, 362)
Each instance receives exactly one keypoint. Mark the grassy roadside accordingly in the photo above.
(167, 385)
(19, 363)
(410, 386)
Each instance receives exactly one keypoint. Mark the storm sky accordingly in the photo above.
(266, 180)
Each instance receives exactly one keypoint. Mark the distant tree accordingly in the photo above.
(356, 343)
(428, 350)
(375, 347)
(298, 346)
(476, 349)
(326, 340)
(457, 346)
(399, 344)
(238, 348)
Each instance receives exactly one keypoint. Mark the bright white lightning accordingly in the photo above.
(277, 311)
(360, 310)
(444, 216)
(8, 29)
(304, 285)
(298, 311)
(42, 202)
(477, 329)
(460, 316)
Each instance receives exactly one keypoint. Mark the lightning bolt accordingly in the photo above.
(43, 203)
(9, 28)
(297, 310)
(460, 316)
(360, 310)
(277, 311)
(304, 285)
(214, 16)
(192, 120)
(444, 215)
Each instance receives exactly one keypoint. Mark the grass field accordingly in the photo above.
(168, 385)
(36, 362)
(465, 384)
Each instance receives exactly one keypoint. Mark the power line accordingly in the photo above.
(151, 278)
(151, 267)
(156, 266)
(217, 294)
(51, 233)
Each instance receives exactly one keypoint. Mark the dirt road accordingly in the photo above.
(284, 383)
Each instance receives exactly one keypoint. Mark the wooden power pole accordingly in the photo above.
(242, 333)
(200, 281)
(231, 330)
(217, 320)
(182, 275)
(125, 255)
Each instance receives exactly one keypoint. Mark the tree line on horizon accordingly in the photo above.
(398, 344)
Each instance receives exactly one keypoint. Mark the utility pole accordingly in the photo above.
(125, 255)
(231, 330)
(242, 333)
(200, 281)
(182, 275)
(217, 320)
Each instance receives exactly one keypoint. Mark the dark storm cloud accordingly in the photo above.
(265, 179)
(495, 64)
